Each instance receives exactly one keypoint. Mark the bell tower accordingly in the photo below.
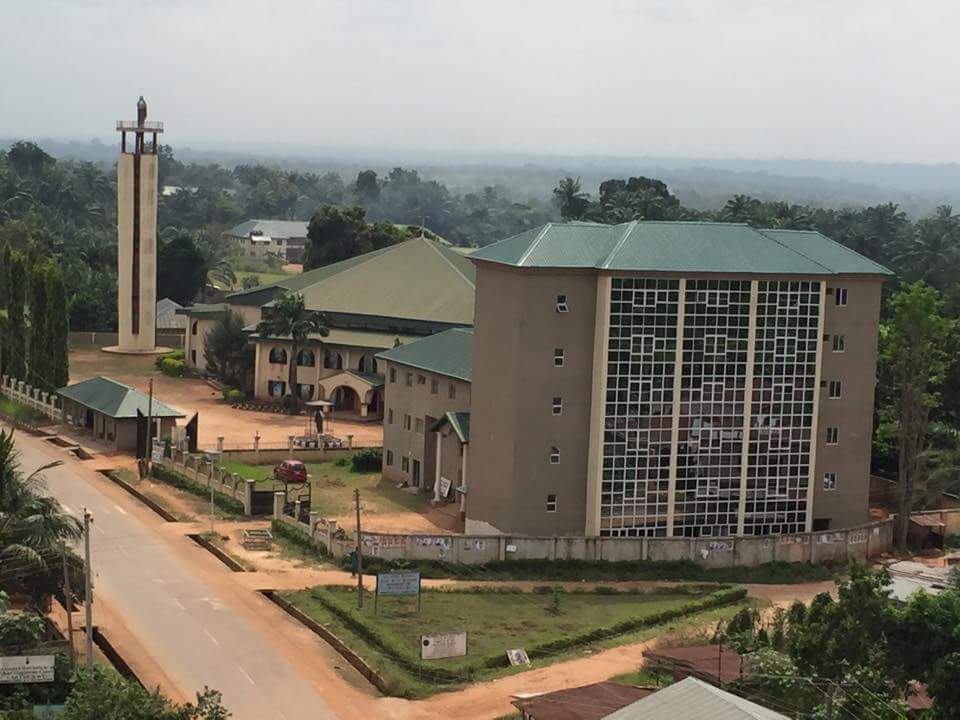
(137, 234)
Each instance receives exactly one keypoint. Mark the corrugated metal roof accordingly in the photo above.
(694, 700)
(203, 309)
(447, 353)
(459, 421)
(168, 317)
(589, 702)
(114, 399)
(701, 247)
(274, 228)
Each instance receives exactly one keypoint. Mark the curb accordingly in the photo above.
(165, 514)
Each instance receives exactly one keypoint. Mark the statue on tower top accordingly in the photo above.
(141, 111)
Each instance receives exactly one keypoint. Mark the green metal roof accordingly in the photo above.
(203, 310)
(459, 421)
(693, 247)
(417, 279)
(114, 399)
(271, 228)
(447, 353)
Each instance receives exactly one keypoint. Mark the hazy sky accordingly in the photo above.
(837, 79)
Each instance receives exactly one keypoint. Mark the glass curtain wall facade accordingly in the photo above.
(708, 341)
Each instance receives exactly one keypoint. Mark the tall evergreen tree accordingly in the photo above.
(15, 345)
(57, 328)
(4, 273)
(38, 351)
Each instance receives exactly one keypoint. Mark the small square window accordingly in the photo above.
(840, 296)
(434, 386)
(419, 426)
(405, 464)
(409, 379)
(406, 422)
(558, 357)
(389, 457)
(829, 481)
(835, 389)
(551, 503)
(452, 391)
(562, 306)
(833, 435)
(390, 416)
(838, 343)
(554, 455)
(557, 405)
(393, 375)
(421, 379)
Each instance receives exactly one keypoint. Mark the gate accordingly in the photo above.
(261, 502)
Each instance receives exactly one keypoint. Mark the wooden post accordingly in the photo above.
(68, 604)
(88, 595)
(356, 499)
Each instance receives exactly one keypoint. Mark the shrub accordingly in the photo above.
(298, 538)
(367, 460)
(289, 403)
(182, 482)
(342, 461)
(235, 396)
(172, 355)
(171, 367)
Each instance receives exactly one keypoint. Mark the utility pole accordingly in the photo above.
(210, 481)
(68, 603)
(88, 596)
(356, 499)
(149, 425)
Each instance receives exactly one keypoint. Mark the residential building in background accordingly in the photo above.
(671, 379)
(259, 238)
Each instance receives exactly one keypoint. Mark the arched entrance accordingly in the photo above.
(374, 400)
(345, 399)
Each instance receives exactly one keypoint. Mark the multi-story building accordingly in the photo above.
(259, 238)
(426, 429)
(671, 379)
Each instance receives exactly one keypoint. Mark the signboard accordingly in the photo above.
(518, 656)
(443, 645)
(398, 583)
(26, 669)
(444, 487)
(157, 454)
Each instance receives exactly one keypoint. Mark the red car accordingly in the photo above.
(291, 471)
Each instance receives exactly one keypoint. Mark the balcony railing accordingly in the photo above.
(133, 125)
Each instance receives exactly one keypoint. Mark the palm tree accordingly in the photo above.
(571, 201)
(288, 318)
(33, 526)
(220, 274)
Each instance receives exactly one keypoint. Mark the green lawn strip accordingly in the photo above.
(643, 678)
(229, 505)
(497, 619)
(263, 277)
(333, 485)
(22, 413)
(779, 573)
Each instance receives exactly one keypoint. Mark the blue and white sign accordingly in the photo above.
(398, 583)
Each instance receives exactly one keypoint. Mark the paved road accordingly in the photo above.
(179, 618)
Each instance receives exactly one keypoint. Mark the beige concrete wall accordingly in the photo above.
(267, 371)
(855, 367)
(195, 342)
(417, 401)
(512, 429)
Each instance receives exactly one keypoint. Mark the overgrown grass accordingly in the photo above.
(779, 573)
(227, 504)
(305, 546)
(549, 625)
(22, 413)
(643, 678)
(952, 542)
(333, 485)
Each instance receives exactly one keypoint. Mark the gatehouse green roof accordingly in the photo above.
(690, 247)
(447, 353)
(114, 399)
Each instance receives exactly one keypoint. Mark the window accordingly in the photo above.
(452, 391)
(836, 389)
(419, 426)
(833, 435)
(409, 379)
(829, 481)
(390, 416)
(551, 503)
(193, 327)
(434, 386)
(557, 405)
(838, 343)
(276, 389)
(305, 391)
(558, 357)
(562, 306)
(393, 375)
(554, 455)
(406, 422)
(421, 379)
(278, 356)
(193, 357)
(306, 358)
(405, 464)
(389, 457)
(840, 296)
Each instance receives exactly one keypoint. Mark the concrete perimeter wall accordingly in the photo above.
(169, 339)
(840, 546)
(203, 470)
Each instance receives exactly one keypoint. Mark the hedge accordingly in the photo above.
(367, 460)
(182, 482)
(297, 537)
(171, 367)
(340, 603)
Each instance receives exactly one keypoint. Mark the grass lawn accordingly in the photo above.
(263, 277)
(22, 413)
(333, 487)
(550, 626)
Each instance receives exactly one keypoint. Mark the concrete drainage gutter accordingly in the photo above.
(218, 553)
